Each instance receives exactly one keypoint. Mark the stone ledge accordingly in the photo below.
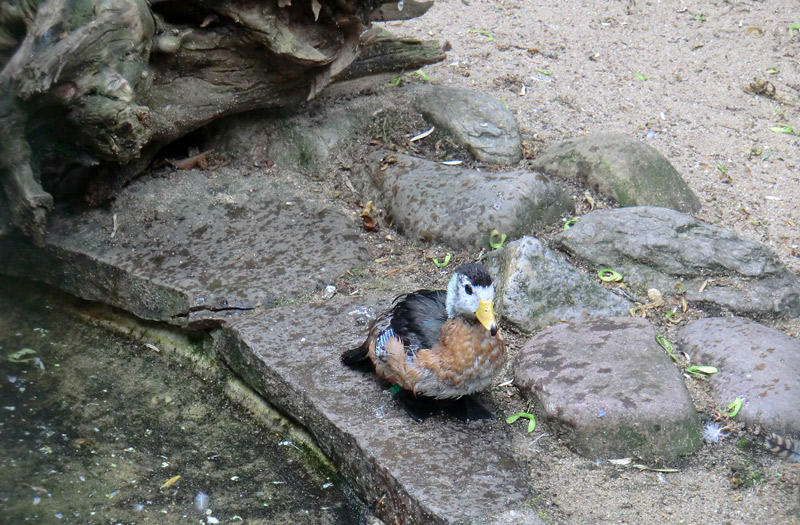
(438, 471)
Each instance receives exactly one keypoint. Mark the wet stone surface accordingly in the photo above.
(622, 168)
(536, 287)
(432, 202)
(611, 389)
(658, 247)
(438, 471)
(759, 364)
(92, 425)
(212, 242)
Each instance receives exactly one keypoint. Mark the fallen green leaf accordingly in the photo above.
(16, 357)
(442, 264)
(701, 18)
(782, 128)
(171, 481)
(638, 75)
(531, 423)
(768, 154)
(702, 370)
(396, 82)
(570, 223)
(493, 242)
(487, 34)
(544, 71)
(424, 76)
(608, 275)
(795, 27)
(637, 311)
(734, 407)
(722, 168)
(666, 345)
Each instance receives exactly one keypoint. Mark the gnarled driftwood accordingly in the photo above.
(90, 90)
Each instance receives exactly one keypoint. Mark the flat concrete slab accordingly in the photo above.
(441, 470)
(195, 244)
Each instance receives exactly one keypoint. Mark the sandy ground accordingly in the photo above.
(684, 78)
(677, 75)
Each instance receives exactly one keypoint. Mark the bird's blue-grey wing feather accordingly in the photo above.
(417, 318)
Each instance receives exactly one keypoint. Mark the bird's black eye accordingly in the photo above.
(468, 289)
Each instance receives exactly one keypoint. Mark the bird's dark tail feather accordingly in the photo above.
(358, 357)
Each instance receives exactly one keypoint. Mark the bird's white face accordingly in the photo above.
(469, 301)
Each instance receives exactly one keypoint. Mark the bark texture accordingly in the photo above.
(90, 90)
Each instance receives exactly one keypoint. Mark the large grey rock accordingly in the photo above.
(438, 471)
(307, 145)
(658, 247)
(476, 121)
(306, 141)
(611, 389)
(759, 364)
(429, 201)
(536, 287)
(622, 168)
(194, 244)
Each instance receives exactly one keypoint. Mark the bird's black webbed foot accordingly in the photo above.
(467, 408)
(419, 408)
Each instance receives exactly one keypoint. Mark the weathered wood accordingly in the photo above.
(386, 54)
(27, 202)
(96, 87)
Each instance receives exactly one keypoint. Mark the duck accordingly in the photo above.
(438, 344)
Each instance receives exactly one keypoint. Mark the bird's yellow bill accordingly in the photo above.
(485, 315)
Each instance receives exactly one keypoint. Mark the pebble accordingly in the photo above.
(201, 501)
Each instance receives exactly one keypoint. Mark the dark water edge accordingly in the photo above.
(94, 426)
